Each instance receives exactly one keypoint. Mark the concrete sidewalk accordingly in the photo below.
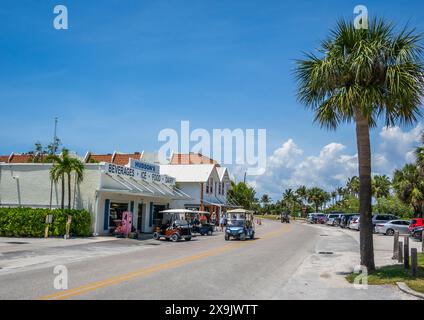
(322, 274)
(23, 253)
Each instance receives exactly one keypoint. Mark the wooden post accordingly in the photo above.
(422, 239)
(49, 220)
(68, 227)
(414, 261)
(395, 245)
(406, 253)
(400, 252)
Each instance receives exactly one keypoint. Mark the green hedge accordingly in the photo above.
(28, 222)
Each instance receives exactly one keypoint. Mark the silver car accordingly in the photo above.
(354, 223)
(390, 227)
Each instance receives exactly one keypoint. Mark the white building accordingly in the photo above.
(203, 179)
(108, 190)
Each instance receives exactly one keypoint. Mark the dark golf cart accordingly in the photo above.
(240, 225)
(203, 227)
(285, 217)
(174, 226)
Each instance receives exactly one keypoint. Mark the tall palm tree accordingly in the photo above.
(408, 183)
(63, 166)
(318, 197)
(352, 186)
(340, 193)
(265, 200)
(419, 154)
(360, 76)
(290, 199)
(381, 186)
(302, 194)
(77, 167)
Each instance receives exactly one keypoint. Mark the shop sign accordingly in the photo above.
(138, 174)
(144, 166)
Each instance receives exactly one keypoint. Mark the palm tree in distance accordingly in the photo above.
(63, 166)
(362, 75)
(381, 186)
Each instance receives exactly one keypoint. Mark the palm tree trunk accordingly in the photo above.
(62, 205)
(365, 192)
(69, 191)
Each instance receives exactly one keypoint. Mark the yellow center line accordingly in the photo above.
(163, 266)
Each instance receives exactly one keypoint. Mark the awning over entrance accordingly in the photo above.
(118, 183)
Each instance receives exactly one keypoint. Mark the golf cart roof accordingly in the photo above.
(240, 211)
(201, 212)
(177, 211)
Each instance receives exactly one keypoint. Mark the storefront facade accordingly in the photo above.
(106, 191)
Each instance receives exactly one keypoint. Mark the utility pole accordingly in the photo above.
(55, 136)
(54, 149)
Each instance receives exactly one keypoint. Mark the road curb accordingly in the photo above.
(404, 287)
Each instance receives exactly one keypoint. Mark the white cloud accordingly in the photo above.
(289, 167)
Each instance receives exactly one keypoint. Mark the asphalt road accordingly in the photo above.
(204, 268)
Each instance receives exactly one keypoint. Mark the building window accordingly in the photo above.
(157, 214)
(115, 213)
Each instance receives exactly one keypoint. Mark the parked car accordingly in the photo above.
(354, 223)
(417, 233)
(382, 218)
(321, 218)
(345, 220)
(316, 218)
(414, 223)
(390, 227)
(333, 219)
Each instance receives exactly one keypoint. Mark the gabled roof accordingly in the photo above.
(187, 172)
(4, 158)
(191, 158)
(222, 171)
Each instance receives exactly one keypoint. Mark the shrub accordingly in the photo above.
(29, 222)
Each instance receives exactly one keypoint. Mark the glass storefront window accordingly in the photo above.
(157, 215)
(115, 213)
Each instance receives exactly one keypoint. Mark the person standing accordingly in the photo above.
(222, 222)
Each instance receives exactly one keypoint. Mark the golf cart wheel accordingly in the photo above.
(188, 238)
(175, 237)
(156, 236)
(242, 237)
(390, 232)
(227, 237)
(252, 236)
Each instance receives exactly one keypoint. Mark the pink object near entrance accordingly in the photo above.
(126, 222)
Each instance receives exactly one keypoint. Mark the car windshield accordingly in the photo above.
(235, 223)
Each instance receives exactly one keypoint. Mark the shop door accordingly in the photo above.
(140, 217)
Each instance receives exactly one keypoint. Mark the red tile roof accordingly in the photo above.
(20, 158)
(124, 159)
(192, 158)
(99, 158)
(121, 159)
(4, 158)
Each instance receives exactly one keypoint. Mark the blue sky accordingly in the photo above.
(127, 69)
